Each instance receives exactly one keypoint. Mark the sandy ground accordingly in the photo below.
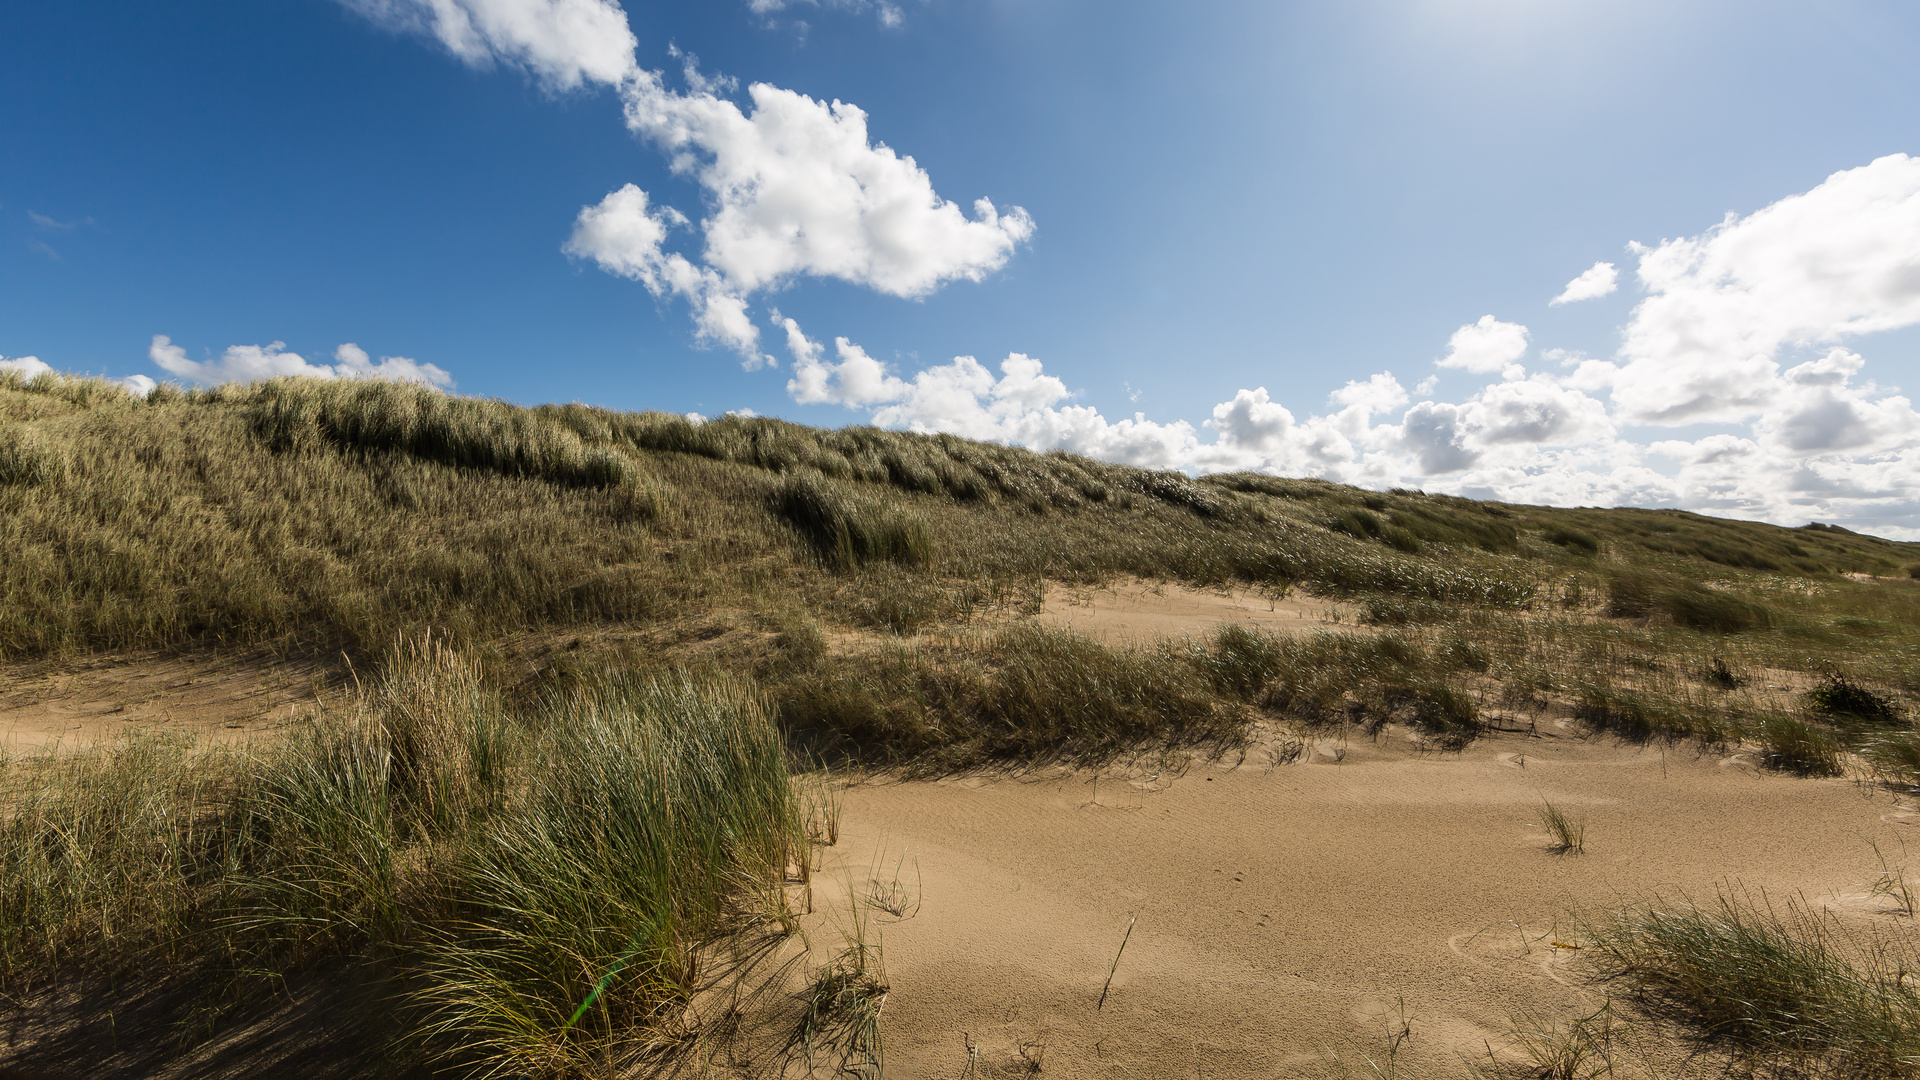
(1285, 914)
(1132, 611)
(221, 696)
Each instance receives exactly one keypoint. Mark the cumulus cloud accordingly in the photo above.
(563, 43)
(24, 366)
(855, 379)
(251, 363)
(1484, 346)
(795, 188)
(1808, 271)
(1596, 281)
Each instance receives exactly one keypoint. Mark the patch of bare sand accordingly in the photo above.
(222, 696)
(1285, 912)
(1133, 611)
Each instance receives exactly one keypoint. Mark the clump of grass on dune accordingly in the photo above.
(506, 865)
(1032, 692)
(1568, 832)
(657, 814)
(100, 851)
(1644, 715)
(1059, 691)
(1793, 745)
(1640, 592)
(465, 432)
(1370, 680)
(1028, 692)
(849, 530)
(1781, 987)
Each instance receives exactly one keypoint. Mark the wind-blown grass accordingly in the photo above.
(508, 865)
(1780, 986)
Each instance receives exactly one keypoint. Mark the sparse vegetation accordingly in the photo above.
(1568, 833)
(1584, 1048)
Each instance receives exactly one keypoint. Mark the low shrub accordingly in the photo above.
(1844, 701)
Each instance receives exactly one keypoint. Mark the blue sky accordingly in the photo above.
(1232, 219)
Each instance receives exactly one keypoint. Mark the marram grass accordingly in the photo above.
(504, 862)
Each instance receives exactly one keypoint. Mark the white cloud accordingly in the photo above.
(1434, 432)
(1820, 412)
(1596, 281)
(251, 363)
(563, 43)
(1487, 345)
(858, 379)
(1537, 411)
(795, 188)
(25, 366)
(1810, 270)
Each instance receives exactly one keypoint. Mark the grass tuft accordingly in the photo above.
(1778, 985)
(1793, 745)
(506, 866)
(1569, 833)
(848, 530)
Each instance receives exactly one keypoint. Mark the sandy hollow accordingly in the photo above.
(1283, 916)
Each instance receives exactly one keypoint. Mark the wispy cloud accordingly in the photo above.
(55, 225)
(889, 14)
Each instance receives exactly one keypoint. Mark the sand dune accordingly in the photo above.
(1284, 913)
